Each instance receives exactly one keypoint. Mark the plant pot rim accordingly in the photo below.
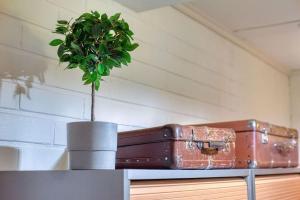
(92, 122)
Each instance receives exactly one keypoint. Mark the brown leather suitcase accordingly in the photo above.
(262, 145)
(177, 147)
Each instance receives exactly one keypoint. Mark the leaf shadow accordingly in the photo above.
(22, 68)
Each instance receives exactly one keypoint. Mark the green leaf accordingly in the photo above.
(96, 30)
(87, 16)
(127, 56)
(130, 33)
(94, 76)
(96, 14)
(92, 57)
(72, 66)
(65, 58)
(61, 30)
(61, 50)
(87, 27)
(124, 25)
(64, 22)
(103, 49)
(86, 76)
(115, 17)
(76, 59)
(56, 42)
(112, 63)
(82, 67)
(97, 84)
(104, 17)
(88, 81)
(106, 72)
(101, 68)
(132, 47)
(123, 61)
(76, 48)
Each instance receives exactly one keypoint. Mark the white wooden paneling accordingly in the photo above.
(8, 96)
(28, 129)
(48, 72)
(42, 158)
(36, 39)
(37, 12)
(154, 77)
(142, 5)
(207, 42)
(295, 99)
(181, 67)
(136, 115)
(77, 6)
(236, 14)
(53, 102)
(11, 34)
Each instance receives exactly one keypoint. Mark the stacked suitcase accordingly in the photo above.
(177, 147)
(236, 144)
(263, 145)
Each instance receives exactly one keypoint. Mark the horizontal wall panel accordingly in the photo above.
(154, 77)
(28, 129)
(200, 73)
(78, 6)
(151, 97)
(44, 15)
(36, 39)
(135, 115)
(42, 158)
(211, 43)
(53, 102)
(9, 97)
(11, 31)
(28, 67)
(60, 133)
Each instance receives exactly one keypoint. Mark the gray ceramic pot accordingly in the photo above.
(92, 145)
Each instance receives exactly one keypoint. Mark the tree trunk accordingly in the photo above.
(93, 103)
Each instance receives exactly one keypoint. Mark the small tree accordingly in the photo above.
(95, 44)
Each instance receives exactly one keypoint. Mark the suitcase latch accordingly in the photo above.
(264, 136)
(189, 144)
(211, 147)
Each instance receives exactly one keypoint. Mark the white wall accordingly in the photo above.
(295, 99)
(182, 73)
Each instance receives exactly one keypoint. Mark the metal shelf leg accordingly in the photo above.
(250, 180)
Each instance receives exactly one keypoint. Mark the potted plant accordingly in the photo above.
(95, 44)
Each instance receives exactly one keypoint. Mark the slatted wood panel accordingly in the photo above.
(210, 189)
(284, 187)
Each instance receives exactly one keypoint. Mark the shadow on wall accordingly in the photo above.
(9, 158)
(62, 163)
(23, 68)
